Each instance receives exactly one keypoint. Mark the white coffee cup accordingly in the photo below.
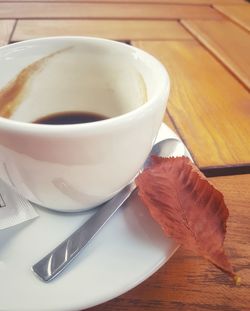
(78, 166)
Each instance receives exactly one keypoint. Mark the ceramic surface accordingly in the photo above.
(129, 249)
(76, 167)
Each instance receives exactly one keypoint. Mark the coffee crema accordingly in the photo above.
(70, 117)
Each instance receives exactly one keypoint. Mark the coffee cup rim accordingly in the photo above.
(163, 89)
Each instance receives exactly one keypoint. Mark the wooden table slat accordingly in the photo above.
(187, 282)
(6, 28)
(200, 2)
(238, 13)
(105, 10)
(209, 107)
(220, 37)
(112, 29)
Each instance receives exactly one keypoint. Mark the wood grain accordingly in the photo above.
(200, 2)
(104, 10)
(219, 37)
(237, 13)
(112, 29)
(6, 28)
(209, 107)
(188, 282)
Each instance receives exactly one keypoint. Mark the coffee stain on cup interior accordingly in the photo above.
(13, 93)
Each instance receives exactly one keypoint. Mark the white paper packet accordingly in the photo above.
(14, 209)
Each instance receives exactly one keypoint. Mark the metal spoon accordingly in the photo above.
(55, 262)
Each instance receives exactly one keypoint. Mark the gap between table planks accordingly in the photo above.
(212, 121)
(188, 282)
(240, 14)
(112, 29)
(6, 29)
(230, 43)
(105, 10)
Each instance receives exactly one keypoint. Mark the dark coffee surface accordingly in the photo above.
(70, 117)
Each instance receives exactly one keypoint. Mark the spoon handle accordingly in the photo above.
(53, 263)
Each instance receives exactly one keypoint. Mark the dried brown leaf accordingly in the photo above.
(187, 206)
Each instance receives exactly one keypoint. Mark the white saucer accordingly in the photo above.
(129, 249)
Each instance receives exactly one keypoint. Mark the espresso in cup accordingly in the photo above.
(78, 117)
(70, 117)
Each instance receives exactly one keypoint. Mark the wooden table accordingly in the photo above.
(205, 46)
